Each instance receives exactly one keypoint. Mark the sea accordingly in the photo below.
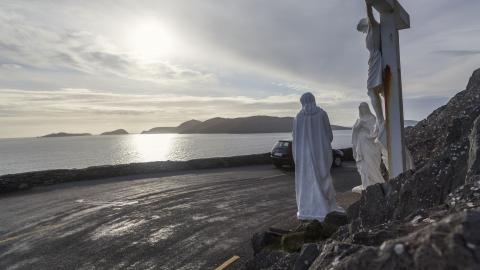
(34, 154)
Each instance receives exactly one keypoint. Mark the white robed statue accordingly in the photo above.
(366, 151)
(375, 84)
(312, 153)
(377, 79)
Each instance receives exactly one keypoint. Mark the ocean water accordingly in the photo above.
(33, 154)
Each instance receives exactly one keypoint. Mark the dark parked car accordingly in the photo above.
(282, 155)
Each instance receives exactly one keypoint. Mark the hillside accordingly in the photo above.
(64, 134)
(253, 124)
(160, 130)
(115, 132)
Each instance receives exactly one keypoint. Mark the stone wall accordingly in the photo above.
(21, 181)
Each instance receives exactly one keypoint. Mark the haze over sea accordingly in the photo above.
(34, 154)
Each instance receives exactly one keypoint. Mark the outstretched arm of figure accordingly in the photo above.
(355, 130)
(371, 18)
(294, 143)
(329, 127)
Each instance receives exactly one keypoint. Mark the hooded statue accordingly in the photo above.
(312, 153)
(366, 151)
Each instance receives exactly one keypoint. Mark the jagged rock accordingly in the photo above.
(336, 219)
(314, 230)
(447, 125)
(308, 254)
(353, 211)
(285, 262)
(264, 239)
(451, 243)
(334, 252)
(466, 196)
(474, 153)
(293, 241)
(439, 146)
(372, 206)
(271, 260)
(423, 219)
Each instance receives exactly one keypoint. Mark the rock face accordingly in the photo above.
(423, 219)
(474, 153)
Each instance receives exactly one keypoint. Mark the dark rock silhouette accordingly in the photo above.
(64, 134)
(115, 132)
(253, 124)
(160, 130)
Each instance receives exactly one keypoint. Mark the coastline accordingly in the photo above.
(22, 181)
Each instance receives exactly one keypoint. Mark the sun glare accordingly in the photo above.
(151, 39)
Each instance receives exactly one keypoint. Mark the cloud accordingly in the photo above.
(141, 111)
(25, 44)
(458, 52)
(230, 58)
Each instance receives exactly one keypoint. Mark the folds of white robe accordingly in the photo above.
(312, 137)
(367, 152)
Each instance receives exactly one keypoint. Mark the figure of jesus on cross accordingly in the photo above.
(384, 77)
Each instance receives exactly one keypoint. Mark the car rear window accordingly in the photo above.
(282, 144)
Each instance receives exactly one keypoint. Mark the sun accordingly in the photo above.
(151, 39)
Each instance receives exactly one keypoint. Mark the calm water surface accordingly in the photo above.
(33, 154)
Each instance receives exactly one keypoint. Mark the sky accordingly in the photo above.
(94, 66)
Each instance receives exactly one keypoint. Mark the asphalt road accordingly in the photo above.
(190, 220)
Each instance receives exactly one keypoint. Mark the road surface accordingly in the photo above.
(189, 220)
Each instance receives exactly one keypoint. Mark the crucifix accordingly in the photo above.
(387, 81)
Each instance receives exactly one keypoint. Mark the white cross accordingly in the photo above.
(393, 18)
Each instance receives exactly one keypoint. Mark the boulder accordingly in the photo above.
(293, 242)
(451, 243)
(336, 219)
(333, 253)
(271, 259)
(466, 196)
(262, 240)
(307, 256)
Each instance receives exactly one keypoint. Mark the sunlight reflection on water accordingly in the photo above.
(31, 154)
(151, 147)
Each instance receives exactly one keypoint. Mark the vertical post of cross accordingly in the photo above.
(393, 18)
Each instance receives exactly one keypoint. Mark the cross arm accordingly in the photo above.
(388, 6)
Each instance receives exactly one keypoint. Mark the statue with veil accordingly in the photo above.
(367, 152)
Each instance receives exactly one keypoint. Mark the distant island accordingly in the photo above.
(64, 134)
(253, 124)
(242, 125)
(115, 132)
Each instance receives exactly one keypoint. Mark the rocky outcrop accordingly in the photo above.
(422, 219)
(64, 134)
(241, 125)
(474, 153)
(22, 181)
(115, 132)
